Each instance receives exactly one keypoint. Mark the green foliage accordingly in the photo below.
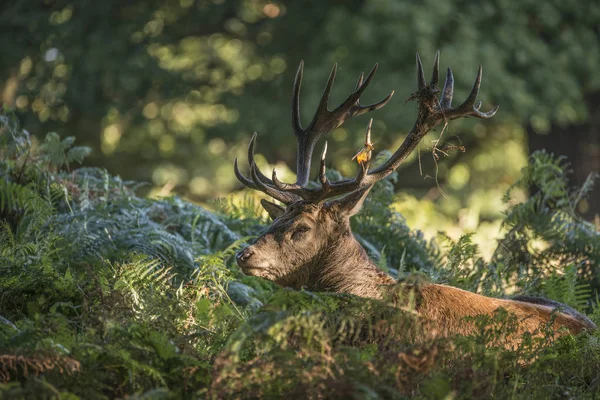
(155, 86)
(61, 153)
(107, 295)
(567, 288)
(545, 234)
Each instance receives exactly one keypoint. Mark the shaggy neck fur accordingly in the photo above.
(346, 268)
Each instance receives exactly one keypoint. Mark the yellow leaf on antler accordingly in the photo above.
(364, 154)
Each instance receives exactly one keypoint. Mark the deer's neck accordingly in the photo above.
(346, 268)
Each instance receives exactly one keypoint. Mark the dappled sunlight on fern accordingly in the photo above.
(104, 294)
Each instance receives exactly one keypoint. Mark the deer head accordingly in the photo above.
(310, 242)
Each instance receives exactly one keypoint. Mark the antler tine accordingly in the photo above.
(262, 177)
(337, 188)
(435, 75)
(375, 106)
(364, 166)
(278, 184)
(296, 123)
(259, 181)
(282, 196)
(478, 114)
(247, 182)
(468, 107)
(470, 101)
(332, 189)
(322, 107)
(354, 108)
(360, 81)
(322, 178)
(448, 91)
(325, 120)
(420, 74)
(362, 173)
(353, 98)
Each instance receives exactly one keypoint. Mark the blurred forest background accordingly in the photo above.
(109, 290)
(170, 91)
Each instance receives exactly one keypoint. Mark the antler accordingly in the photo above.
(431, 112)
(323, 121)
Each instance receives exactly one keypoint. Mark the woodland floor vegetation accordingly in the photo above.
(104, 294)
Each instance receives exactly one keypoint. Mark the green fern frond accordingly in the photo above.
(565, 288)
(59, 153)
(14, 141)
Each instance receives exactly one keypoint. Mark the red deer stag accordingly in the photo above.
(310, 243)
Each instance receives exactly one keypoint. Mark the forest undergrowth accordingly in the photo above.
(104, 294)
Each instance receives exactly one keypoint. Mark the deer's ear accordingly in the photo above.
(272, 209)
(352, 203)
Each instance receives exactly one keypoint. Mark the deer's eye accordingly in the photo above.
(300, 232)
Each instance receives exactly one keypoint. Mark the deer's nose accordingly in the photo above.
(243, 256)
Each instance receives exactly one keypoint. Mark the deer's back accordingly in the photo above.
(446, 307)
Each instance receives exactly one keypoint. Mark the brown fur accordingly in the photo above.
(312, 246)
(446, 309)
(310, 243)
